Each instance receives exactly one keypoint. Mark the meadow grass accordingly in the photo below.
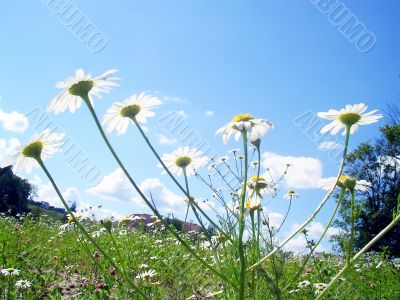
(61, 264)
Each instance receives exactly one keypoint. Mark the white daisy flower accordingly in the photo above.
(78, 86)
(351, 115)
(41, 146)
(259, 185)
(10, 272)
(255, 128)
(120, 114)
(252, 204)
(345, 182)
(147, 275)
(23, 284)
(291, 195)
(184, 158)
(222, 159)
(303, 284)
(319, 287)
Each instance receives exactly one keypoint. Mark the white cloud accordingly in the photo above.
(46, 193)
(116, 187)
(209, 113)
(177, 100)
(8, 147)
(329, 146)
(164, 140)
(304, 172)
(298, 244)
(14, 121)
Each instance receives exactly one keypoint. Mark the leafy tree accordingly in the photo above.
(15, 192)
(379, 164)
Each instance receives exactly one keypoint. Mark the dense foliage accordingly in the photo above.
(15, 192)
(379, 164)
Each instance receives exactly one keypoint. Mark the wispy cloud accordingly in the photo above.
(209, 113)
(164, 140)
(329, 145)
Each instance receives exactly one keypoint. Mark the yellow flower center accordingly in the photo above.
(291, 192)
(33, 150)
(347, 183)
(257, 178)
(349, 119)
(81, 88)
(183, 161)
(242, 118)
(130, 111)
(259, 184)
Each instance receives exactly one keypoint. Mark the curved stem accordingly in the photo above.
(359, 253)
(342, 192)
(85, 233)
(242, 258)
(286, 215)
(174, 179)
(316, 211)
(148, 203)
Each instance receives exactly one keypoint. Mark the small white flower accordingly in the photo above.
(234, 151)
(303, 284)
(147, 275)
(119, 115)
(74, 87)
(291, 195)
(319, 287)
(23, 284)
(10, 272)
(41, 146)
(222, 159)
(184, 158)
(351, 115)
(255, 128)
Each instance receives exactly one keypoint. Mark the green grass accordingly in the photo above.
(62, 265)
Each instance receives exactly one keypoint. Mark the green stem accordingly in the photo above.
(352, 230)
(83, 230)
(316, 211)
(148, 203)
(342, 192)
(242, 258)
(359, 253)
(175, 180)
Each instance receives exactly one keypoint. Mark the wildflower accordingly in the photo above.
(350, 116)
(234, 151)
(258, 185)
(303, 284)
(41, 146)
(147, 275)
(254, 164)
(125, 220)
(255, 128)
(144, 266)
(78, 86)
(291, 195)
(223, 159)
(23, 284)
(10, 272)
(123, 232)
(345, 182)
(319, 287)
(137, 107)
(186, 159)
(112, 271)
(252, 204)
(78, 216)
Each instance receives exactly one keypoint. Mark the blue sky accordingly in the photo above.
(274, 59)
